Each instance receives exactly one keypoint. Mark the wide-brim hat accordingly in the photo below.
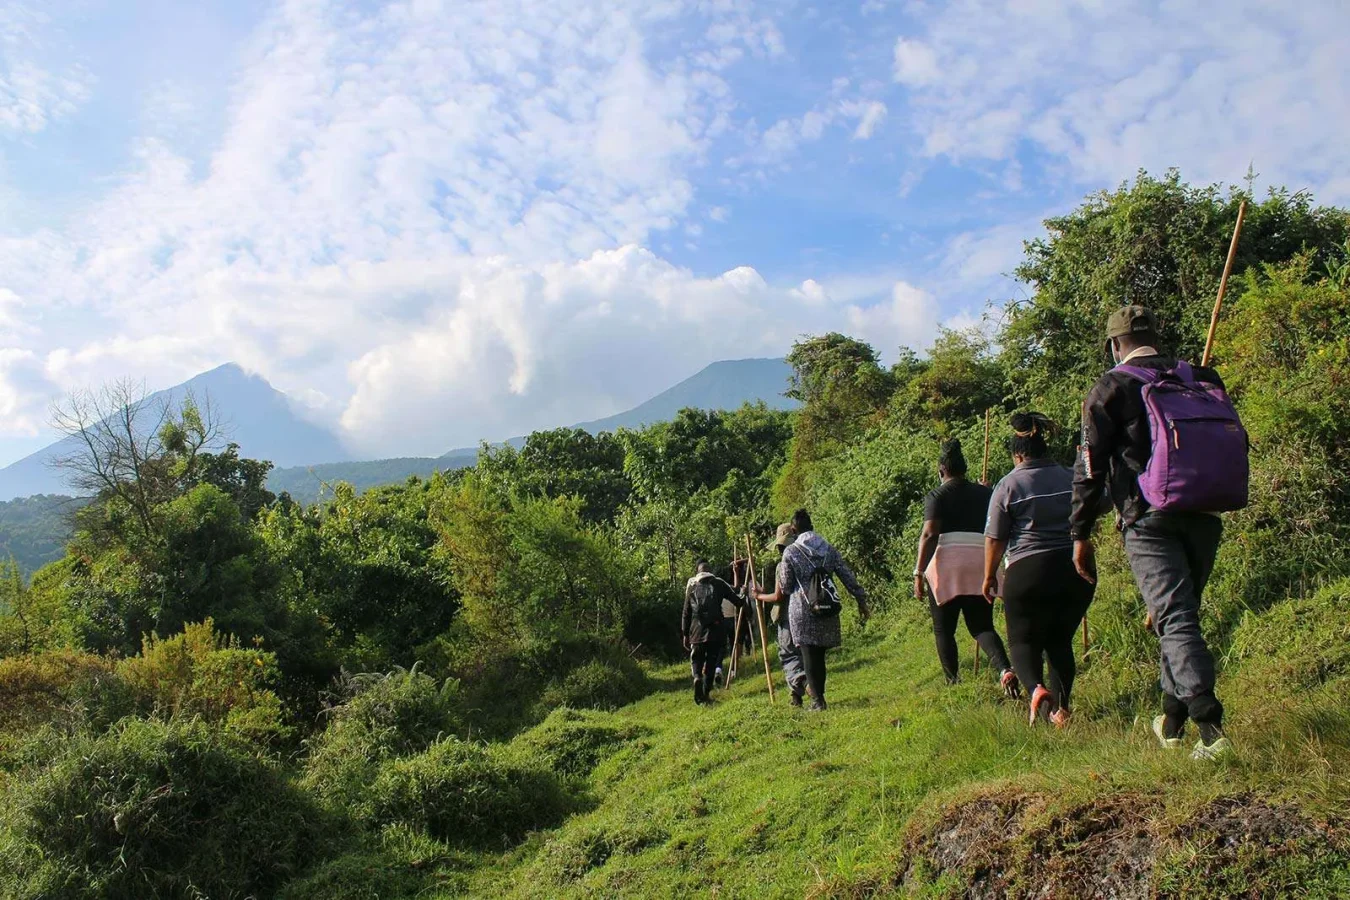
(784, 536)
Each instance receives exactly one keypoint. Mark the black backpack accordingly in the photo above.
(707, 605)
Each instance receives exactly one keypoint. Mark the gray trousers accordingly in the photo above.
(790, 655)
(1172, 556)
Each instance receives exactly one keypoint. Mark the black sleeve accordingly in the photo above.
(1204, 373)
(1091, 469)
(728, 593)
(687, 613)
(932, 506)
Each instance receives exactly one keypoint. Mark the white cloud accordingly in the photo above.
(719, 213)
(1111, 87)
(34, 92)
(909, 318)
(423, 202)
(578, 339)
(915, 62)
(870, 116)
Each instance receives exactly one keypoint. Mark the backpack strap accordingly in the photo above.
(1147, 376)
(1185, 371)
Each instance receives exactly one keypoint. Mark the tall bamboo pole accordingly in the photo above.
(763, 639)
(984, 479)
(984, 474)
(1223, 284)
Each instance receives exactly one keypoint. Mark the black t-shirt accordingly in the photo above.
(960, 505)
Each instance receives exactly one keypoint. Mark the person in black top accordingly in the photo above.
(1171, 553)
(959, 506)
(701, 628)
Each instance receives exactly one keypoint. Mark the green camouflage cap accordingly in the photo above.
(1129, 319)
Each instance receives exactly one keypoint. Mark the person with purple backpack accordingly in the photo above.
(1162, 437)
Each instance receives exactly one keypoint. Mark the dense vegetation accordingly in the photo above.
(34, 530)
(470, 684)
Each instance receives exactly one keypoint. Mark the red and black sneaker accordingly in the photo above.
(1039, 698)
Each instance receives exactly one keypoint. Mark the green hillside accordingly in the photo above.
(34, 530)
(472, 685)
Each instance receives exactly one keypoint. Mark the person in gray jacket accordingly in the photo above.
(1044, 597)
(813, 633)
(789, 654)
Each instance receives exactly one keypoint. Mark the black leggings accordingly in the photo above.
(813, 661)
(979, 622)
(1044, 599)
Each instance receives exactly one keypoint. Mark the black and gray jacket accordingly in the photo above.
(698, 588)
(1116, 446)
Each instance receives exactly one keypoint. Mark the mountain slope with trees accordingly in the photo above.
(508, 633)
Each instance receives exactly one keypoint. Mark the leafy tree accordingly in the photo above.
(843, 391)
(564, 462)
(959, 379)
(1158, 242)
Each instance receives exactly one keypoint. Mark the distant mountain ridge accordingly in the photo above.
(261, 420)
(254, 414)
(724, 385)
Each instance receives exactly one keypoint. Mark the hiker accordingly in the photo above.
(701, 626)
(789, 654)
(1044, 597)
(805, 580)
(1162, 438)
(950, 564)
(735, 628)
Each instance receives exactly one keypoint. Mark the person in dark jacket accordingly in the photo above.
(953, 517)
(701, 626)
(1171, 554)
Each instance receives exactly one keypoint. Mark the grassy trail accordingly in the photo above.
(909, 787)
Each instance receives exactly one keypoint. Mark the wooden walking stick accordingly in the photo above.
(984, 475)
(1223, 284)
(984, 479)
(763, 639)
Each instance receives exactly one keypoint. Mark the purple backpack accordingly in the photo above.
(1199, 459)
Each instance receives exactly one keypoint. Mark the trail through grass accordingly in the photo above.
(745, 799)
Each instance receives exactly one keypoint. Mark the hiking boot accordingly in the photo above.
(1160, 732)
(796, 699)
(718, 678)
(700, 695)
(1213, 744)
(1039, 698)
(817, 706)
(1220, 749)
(1060, 718)
(1012, 688)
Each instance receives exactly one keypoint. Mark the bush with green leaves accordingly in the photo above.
(572, 742)
(389, 716)
(466, 794)
(154, 809)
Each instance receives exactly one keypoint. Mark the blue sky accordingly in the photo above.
(433, 222)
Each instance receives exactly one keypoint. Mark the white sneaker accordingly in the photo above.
(1170, 743)
(1220, 749)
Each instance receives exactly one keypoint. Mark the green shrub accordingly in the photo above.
(571, 742)
(400, 862)
(394, 715)
(599, 684)
(60, 687)
(572, 854)
(203, 673)
(465, 794)
(152, 809)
